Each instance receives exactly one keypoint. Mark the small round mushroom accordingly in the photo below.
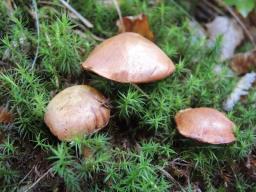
(76, 111)
(129, 58)
(206, 125)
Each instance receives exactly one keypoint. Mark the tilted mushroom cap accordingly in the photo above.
(206, 125)
(129, 58)
(76, 111)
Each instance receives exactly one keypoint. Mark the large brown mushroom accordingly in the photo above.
(206, 125)
(129, 58)
(76, 111)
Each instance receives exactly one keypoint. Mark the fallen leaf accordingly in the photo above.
(5, 116)
(87, 152)
(244, 62)
(231, 32)
(138, 24)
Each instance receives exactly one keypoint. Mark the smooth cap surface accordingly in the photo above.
(129, 58)
(206, 125)
(76, 111)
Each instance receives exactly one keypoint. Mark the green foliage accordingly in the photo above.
(60, 47)
(243, 6)
(130, 103)
(63, 162)
(27, 93)
(135, 172)
(7, 175)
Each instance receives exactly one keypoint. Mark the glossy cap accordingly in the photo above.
(129, 58)
(206, 125)
(76, 111)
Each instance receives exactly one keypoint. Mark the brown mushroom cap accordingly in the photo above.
(76, 111)
(206, 125)
(129, 58)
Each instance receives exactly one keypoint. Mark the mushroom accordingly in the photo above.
(76, 111)
(129, 58)
(206, 125)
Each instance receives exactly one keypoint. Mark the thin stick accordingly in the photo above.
(246, 31)
(168, 175)
(95, 37)
(214, 7)
(119, 13)
(182, 9)
(38, 180)
(140, 90)
(37, 31)
(84, 20)
(21, 181)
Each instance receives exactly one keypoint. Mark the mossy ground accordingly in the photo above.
(140, 150)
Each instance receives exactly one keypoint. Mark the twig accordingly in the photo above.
(95, 37)
(246, 31)
(119, 13)
(3, 64)
(182, 10)
(37, 31)
(84, 20)
(140, 90)
(38, 180)
(168, 175)
(21, 181)
(214, 7)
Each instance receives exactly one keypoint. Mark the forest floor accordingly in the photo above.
(42, 47)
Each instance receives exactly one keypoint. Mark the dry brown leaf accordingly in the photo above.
(244, 62)
(138, 24)
(5, 116)
(87, 152)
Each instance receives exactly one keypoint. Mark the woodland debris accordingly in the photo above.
(205, 125)
(70, 8)
(5, 116)
(252, 17)
(137, 24)
(87, 152)
(241, 89)
(231, 32)
(244, 62)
